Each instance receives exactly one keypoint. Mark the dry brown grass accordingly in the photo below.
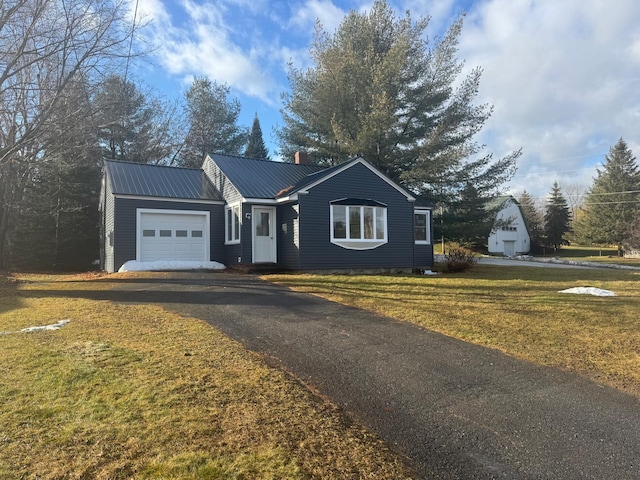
(131, 391)
(516, 310)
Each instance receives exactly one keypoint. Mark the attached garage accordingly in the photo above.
(172, 235)
(154, 213)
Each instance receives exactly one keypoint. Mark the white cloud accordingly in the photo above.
(326, 11)
(562, 77)
(440, 12)
(204, 45)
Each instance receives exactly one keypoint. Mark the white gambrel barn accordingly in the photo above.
(509, 235)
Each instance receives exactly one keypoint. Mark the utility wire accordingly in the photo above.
(133, 29)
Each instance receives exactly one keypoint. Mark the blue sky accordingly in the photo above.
(563, 76)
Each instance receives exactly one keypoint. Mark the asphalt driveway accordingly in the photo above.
(456, 410)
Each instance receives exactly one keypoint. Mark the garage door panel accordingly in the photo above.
(172, 236)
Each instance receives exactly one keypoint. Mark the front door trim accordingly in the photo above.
(265, 252)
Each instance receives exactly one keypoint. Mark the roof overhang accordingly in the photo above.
(169, 199)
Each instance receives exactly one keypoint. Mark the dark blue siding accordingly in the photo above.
(246, 234)
(316, 249)
(232, 253)
(125, 226)
(423, 256)
(288, 252)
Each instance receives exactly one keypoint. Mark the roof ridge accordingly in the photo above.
(125, 162)
(266, 160)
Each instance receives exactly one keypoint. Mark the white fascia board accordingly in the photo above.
(362, 161)
(291, 198)
(271, 201)
(168, 199)
(260, 201)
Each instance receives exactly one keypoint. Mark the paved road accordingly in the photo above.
(458, 411)
(510, 262)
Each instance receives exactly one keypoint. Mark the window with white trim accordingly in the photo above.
(422, 227)
(232, 224)
(358, 224)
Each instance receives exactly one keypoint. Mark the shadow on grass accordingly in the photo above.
(220, 289)
(209, 289)
(9, 295)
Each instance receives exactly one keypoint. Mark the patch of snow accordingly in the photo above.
(429, 272)
(598, 292)
(164, 265)
(54, 326)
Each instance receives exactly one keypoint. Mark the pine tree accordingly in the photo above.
(612, 204)
(533, 219)
(379, 90)
(557, 218)
(468, 220)
(133, 125)
(255, 147)
(212, 121)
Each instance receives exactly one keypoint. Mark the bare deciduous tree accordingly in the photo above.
(44, 46)
(575, 194)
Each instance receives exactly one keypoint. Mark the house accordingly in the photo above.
(242, 211)
(509, 234)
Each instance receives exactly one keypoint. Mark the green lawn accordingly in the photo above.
(134, 392)
(593, 254)
(516, 310)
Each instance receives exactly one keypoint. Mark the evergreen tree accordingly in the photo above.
(212, 121)
(255, 147)
(533, 219)
(135, 126)
(56, 226)
(557, 218)
(468, 220)
(379, 90)
(612, 204)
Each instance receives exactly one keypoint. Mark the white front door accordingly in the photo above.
(264, 235)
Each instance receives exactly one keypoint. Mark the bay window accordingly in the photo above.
(358, 223)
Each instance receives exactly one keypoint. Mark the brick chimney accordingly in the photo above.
(301, 158)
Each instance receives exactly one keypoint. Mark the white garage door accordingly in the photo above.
(173, 236)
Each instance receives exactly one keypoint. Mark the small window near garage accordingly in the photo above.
(148, 233)
(358, 224)
(196, 233)
(232, 224)
(181, 233)
(422, 231)
(165, 233)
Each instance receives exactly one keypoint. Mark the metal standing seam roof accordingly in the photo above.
(264, 178)
(148, 180)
